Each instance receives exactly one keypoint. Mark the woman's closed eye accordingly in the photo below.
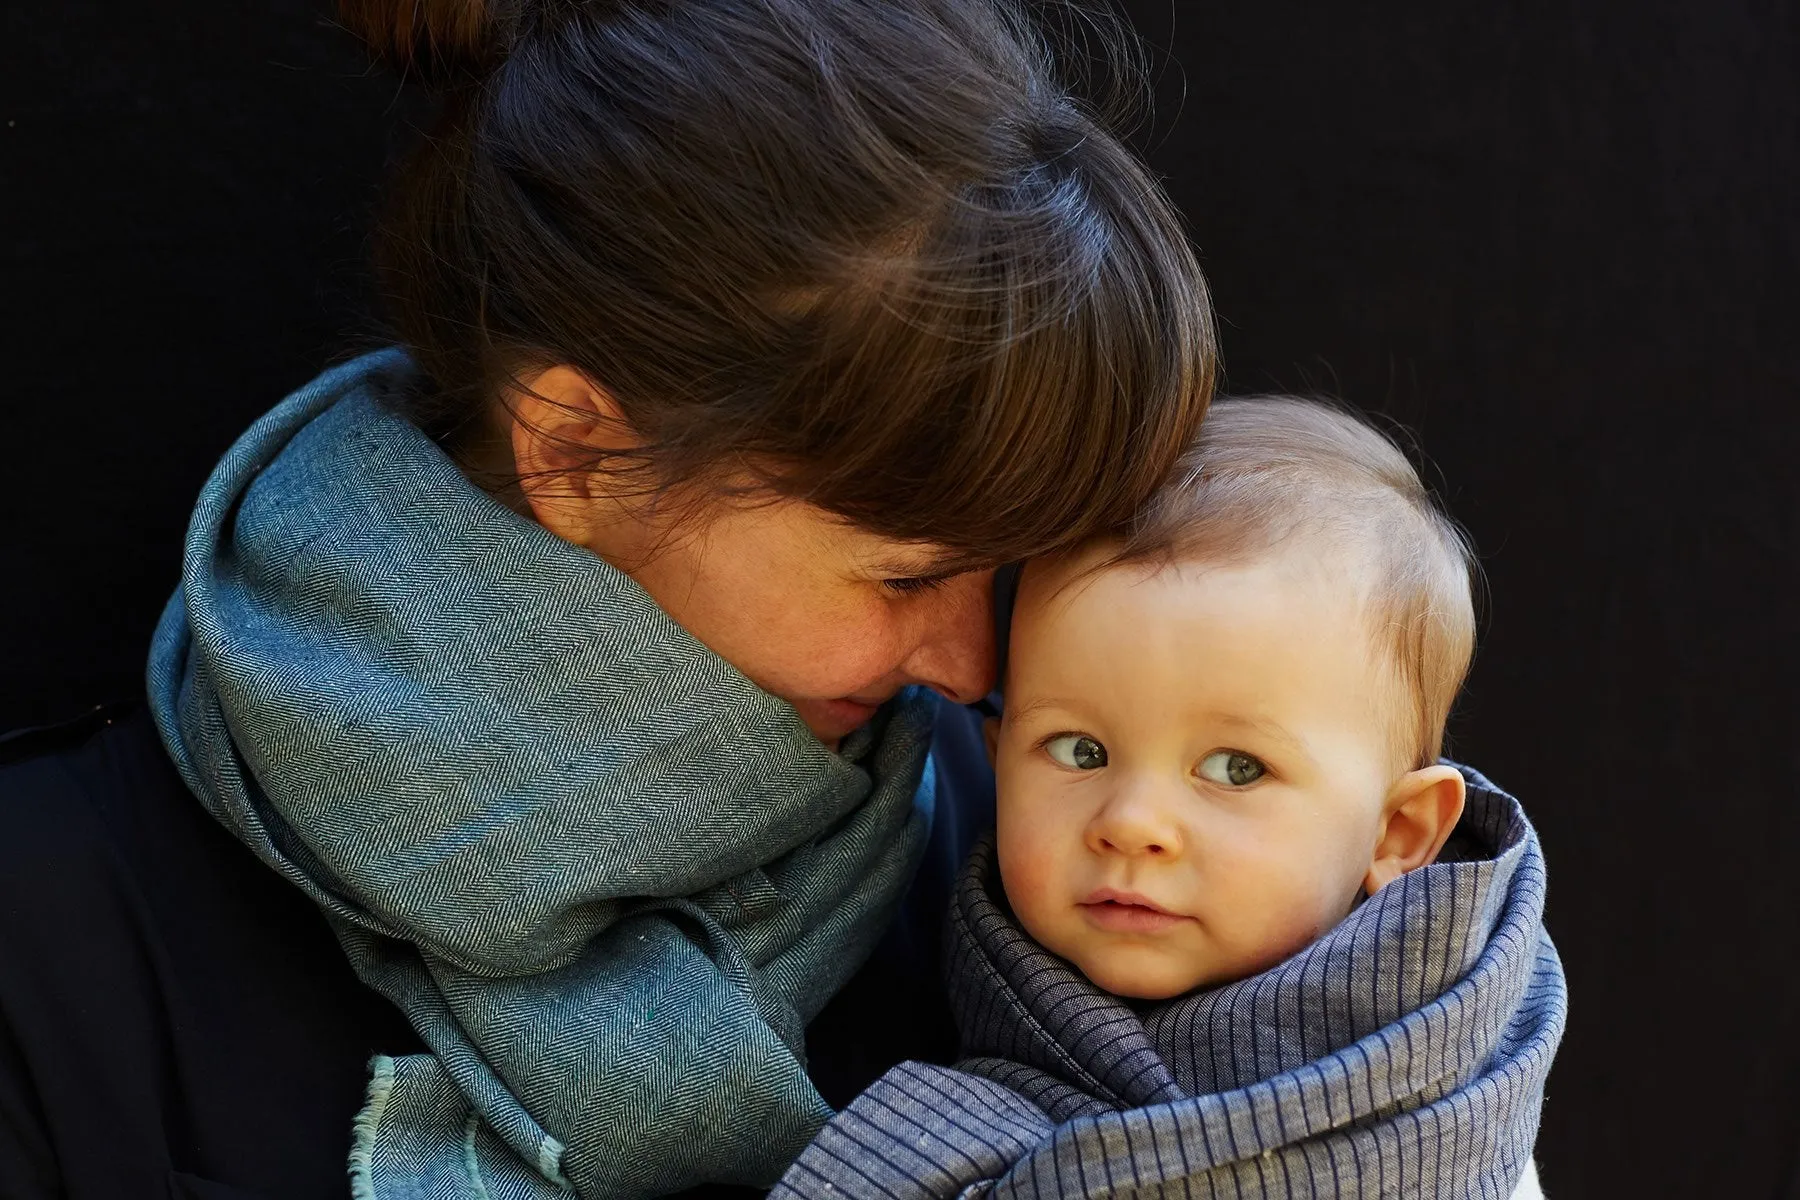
(1232, 768)
(1076, 751)
(914, 584)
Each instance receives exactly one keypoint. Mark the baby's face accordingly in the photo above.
(1192, 767)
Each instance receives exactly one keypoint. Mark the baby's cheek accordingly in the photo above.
(1028, 871)
(1300, 929)
(1282, 904)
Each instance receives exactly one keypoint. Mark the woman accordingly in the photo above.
(572, 669)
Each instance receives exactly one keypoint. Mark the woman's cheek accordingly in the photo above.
(822, 647)
(859, 647)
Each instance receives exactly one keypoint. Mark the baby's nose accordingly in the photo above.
(1135, 824)
(1130, 846)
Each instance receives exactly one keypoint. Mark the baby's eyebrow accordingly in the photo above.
(1021, 711)
(1273, 730)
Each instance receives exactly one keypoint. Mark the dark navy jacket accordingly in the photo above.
(178, 1022)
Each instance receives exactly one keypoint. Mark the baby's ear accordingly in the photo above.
(990, 736)
(1418, 816)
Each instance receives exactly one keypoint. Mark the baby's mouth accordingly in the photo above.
(1127, 912)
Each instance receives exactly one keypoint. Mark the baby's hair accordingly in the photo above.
(1269, 468)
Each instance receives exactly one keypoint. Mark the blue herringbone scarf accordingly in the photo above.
(606, 878)
(1402, 1054)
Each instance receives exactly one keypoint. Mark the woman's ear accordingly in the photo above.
(560, 420)
(1418, 815)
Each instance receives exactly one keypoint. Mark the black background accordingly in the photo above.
(1558, 241)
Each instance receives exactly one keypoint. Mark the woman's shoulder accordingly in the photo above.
(81, 804)
(100, 839)
(57, 782)
(161, 991)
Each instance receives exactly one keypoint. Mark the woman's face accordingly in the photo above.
(828, 617)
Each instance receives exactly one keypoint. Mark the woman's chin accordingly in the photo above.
(833, 720)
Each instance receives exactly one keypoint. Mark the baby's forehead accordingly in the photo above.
(1054, 587)
(1137, 648)
(1071, 613)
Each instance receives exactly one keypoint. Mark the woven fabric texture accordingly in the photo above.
(1402, 1054)
(607, 878)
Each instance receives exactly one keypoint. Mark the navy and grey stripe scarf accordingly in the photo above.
(1403, 1054)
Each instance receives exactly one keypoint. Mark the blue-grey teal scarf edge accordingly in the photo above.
(606, 877)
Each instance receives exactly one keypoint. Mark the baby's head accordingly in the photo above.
(1222, 731)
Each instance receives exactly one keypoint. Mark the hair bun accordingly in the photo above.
(444, 42)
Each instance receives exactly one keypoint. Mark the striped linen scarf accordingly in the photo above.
(607, 878)
(1402, 1054)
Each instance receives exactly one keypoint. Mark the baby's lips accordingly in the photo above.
(1107, 895)
(1114, 916)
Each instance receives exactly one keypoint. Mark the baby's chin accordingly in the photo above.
(1142, 974)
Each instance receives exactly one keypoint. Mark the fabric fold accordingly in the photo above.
(607, 878)
(1404, 1053)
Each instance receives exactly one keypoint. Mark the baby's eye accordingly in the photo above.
(1077, 751)
(1233, 768)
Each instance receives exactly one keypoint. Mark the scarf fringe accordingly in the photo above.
(368, 1120)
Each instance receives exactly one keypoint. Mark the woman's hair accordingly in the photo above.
(1269, 470)
(871, 254)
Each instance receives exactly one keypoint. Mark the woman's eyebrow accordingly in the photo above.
(939, 566)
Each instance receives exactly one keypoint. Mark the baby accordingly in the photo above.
(1221, 734)
(1240, 932)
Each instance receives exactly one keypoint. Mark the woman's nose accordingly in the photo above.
(1136, 821)
(955, 652)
